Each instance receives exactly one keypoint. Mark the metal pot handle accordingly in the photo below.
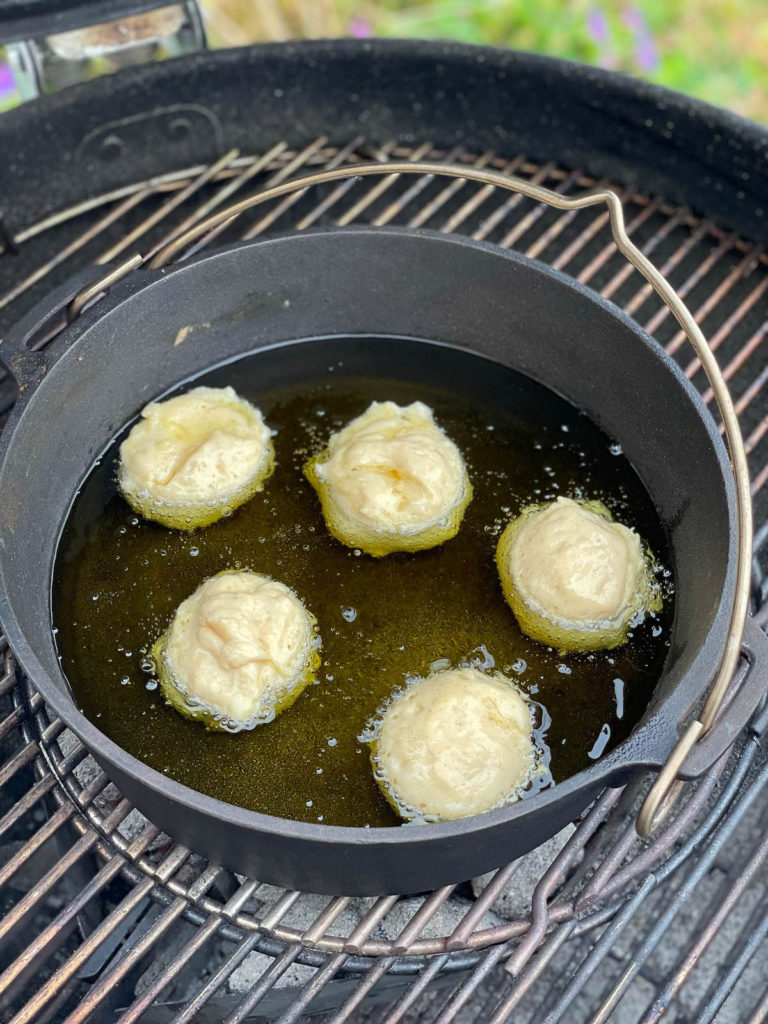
(667, 786)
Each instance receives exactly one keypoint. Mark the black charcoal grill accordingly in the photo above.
(104, 919)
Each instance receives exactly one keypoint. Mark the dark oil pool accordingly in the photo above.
(119, 579)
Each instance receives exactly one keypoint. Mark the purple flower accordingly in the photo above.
(597, 26)
(360, 28)
(646, 52)
(7, 83)
(634, 20)
(600, 31)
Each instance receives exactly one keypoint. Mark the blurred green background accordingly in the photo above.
(714, 49)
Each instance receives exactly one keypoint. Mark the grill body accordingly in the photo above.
(93, 899)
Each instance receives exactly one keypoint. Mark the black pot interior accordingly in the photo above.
(126, 351)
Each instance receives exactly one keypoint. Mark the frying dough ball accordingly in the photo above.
(454, 744)
(391, 480)
(574, 579)
(194, 458)
(239, 650)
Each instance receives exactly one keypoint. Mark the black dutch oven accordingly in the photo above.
(438, 291)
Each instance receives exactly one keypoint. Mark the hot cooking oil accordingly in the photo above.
(118, 580)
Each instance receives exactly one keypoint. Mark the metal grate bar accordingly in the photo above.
(692, 955)
(282, 172)
(750, 347)
(760, 1013)
(432, 206)
(601, 948)
(167, 207)
(379, 188)
(107, 983)
(462, 993)
(706, 858)
(756, 932)
(554, 876)
(507, 206)
(104, 986)
(339, 158)
(75, 246)
(83, 953)
(55, 822)
(217, 981)
(726, 245)
(220, 196)
(321, 208)
(507, 1005)
(731, 323)
(626, 271)
(684, 249)
(265, 983)
(374, 974)
(741, 270)
(476, 200)
(462, 933)
(757, 434)
(609, 249)
(553, 232)
(527, 222)
(27, 802)
(425, 978)
(417, 186)
(760, 480)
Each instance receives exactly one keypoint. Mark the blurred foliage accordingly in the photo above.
(716, 50)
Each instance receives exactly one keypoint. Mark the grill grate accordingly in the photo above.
(103, 915)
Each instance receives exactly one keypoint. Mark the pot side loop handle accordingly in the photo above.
(667, 787)
(697, 750)
(751, 687)
(23, 350)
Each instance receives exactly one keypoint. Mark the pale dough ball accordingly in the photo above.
(454, 744)
(238, 651)
(574, 579)
(391, 480)
(194, 458)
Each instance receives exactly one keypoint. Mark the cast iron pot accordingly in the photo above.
(437, 291)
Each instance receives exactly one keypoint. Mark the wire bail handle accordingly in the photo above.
(667, 787)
